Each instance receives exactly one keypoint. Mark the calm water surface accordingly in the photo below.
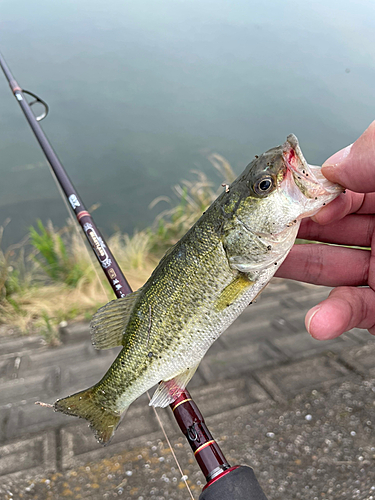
(141, 92)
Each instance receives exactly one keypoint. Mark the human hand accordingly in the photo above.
(348, 220)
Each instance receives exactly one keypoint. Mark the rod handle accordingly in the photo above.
(238, 483)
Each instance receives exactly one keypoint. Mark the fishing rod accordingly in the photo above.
(108, 263)
(223, 481)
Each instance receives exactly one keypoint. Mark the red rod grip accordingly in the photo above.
(207, 452)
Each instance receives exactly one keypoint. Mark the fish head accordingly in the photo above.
(279, 188)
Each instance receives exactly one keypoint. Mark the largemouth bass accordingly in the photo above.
(200, 286)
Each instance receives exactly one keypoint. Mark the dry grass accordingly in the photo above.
(42, 304)
(194, 197)
(38, 304)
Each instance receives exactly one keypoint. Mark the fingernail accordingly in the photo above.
(336, 159)
(310, 316)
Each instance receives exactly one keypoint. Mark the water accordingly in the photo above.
(141, 92)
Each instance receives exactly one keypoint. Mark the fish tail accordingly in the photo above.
(85, 404)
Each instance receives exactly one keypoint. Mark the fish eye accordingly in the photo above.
(263, 185)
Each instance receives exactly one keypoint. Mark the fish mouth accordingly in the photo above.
(308, 178)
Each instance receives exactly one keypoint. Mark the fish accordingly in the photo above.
(200, 286)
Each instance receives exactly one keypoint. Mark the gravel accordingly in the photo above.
(320, 445)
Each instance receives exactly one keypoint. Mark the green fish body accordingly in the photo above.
(200, 286)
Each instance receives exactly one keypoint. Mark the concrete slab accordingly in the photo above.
(303, 345)
(31, 456)
(231, 364)
(362, 359)
(222, 396)
(78, 440)
(285, 381)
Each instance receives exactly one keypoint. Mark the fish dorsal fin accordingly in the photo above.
(169, 390)
(109, 323)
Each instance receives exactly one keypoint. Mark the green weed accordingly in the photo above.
(48, 328)
(53, 256)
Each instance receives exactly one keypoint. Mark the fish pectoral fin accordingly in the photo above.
(109, 322)
(233, 291)
(169, 390)
(84, 404)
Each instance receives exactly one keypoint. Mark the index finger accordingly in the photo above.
(346, 203)
(326, 265)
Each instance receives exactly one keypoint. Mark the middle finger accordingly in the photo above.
(353, 230)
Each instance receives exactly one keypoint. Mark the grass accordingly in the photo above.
(53, 256)
(52, 276)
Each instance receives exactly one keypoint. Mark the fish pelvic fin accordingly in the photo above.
(169, 390)
(84, 404)
(109, 323)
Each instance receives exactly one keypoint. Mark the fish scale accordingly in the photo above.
(200, 286)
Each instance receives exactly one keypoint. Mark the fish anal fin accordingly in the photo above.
(109, 322)
(169, 390)
(233, 291)
(85, 405)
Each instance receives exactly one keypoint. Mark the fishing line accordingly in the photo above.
(183, 477)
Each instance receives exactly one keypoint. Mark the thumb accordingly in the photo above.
(354, 166)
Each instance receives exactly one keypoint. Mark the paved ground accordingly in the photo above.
(299, 411)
